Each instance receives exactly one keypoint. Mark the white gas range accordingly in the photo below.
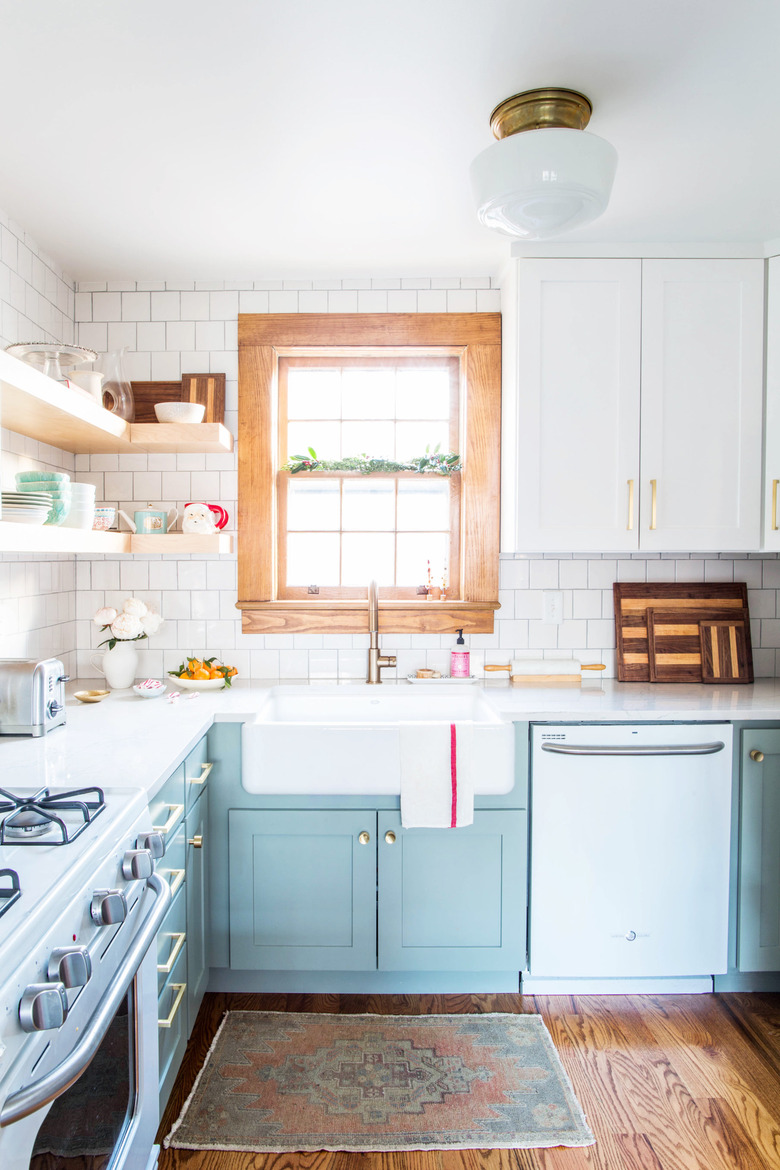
(80, 905)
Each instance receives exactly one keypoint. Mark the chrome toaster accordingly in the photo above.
(32, 695)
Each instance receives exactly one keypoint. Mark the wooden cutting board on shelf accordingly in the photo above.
(208, 389)
(145, 394)
(676, 641)
(632, 601)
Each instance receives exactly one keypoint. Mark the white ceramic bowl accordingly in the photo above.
(151, 688)
(179, 412)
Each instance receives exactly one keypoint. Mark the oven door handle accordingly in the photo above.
(55, 1083)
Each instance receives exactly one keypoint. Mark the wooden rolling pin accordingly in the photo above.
(546, 671)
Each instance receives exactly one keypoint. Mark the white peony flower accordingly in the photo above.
(134, 607)
(126, 626)
(151, 622)
(105, 616)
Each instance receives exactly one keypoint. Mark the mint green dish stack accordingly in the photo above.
(56, 483)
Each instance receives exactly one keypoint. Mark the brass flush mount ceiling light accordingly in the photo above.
(545, 175)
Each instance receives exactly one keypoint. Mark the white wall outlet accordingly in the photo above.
(553, 606)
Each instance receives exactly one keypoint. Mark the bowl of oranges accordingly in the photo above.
(203, 674)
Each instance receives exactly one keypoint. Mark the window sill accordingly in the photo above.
(351, 617)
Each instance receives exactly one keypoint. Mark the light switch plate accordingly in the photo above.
(553, 606)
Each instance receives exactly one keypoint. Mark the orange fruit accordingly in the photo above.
(200, 673)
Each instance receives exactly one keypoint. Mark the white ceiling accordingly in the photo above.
(298, 138)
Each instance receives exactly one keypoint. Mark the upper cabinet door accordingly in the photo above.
(702, 359)
(571, 406)
(771, 540)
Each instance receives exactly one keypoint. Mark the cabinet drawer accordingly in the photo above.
(171, 939)
(172, 1026)
(173, 865)
(167, 807)
(196, 773)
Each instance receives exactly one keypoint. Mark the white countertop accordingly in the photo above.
(126, 740)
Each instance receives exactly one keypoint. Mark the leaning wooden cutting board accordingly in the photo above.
(632, 601)
(675, 645)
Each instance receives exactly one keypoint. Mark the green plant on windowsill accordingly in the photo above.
(431, 463)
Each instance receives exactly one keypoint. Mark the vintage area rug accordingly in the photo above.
(279, 1082)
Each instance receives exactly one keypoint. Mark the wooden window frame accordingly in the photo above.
(475, 339)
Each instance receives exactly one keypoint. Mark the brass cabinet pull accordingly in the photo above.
(206, 772)
(390, 837)
(179, 988)
(364, 837)
(175, 879)
(166, 968)
(775, 482)
(653, 503)
(177, 810)
(757, 756)
(630, 524)
(197, 841)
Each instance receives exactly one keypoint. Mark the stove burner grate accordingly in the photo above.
(33, 820)
(9, 895)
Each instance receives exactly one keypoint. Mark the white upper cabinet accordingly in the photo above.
(702, 366)
(584, 469)
(772, 425)
(571, 439)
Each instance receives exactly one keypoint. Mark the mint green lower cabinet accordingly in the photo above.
(758, 937)
(196, 889)
(453, 899)
(302, 890)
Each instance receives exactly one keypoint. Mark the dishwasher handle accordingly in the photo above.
(683, 749)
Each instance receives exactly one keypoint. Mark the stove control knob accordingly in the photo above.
(108, 908)
(137, 865)
(43, 1006)
(154, 842)
(71, 966)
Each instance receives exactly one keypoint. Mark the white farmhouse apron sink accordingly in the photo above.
(345, 740)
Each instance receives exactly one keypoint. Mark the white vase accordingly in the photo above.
(119, 665)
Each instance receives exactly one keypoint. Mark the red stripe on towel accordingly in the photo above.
(454, 776)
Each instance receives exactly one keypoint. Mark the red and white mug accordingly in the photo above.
(220, 514)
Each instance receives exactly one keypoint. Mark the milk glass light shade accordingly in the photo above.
(546, 174)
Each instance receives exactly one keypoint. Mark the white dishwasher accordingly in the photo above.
(630, 837)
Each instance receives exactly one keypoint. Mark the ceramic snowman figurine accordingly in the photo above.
(198, 518)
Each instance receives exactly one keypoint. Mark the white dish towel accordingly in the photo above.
(437, 778)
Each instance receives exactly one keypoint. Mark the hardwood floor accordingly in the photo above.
(688, 1082)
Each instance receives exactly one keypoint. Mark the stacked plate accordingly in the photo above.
(55, 484)
(26, 507)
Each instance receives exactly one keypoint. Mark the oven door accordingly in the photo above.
(98, 1109)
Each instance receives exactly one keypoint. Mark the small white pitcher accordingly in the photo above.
(119, 666)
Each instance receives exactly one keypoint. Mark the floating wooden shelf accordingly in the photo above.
(35, 405)
(50, 539)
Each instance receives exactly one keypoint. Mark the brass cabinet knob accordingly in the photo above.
(364, 838)
(390, 837)
(196, 842)
(757, 756)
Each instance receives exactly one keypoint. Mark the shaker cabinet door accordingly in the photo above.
(758, 939)
(571, 407)
(302, 890)
(197, 907)
(702, 371)
(453, 899)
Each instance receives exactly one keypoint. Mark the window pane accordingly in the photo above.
(415, 550)
(312, 558)
(312, 503)
(368, 393)
(369, 504)
(412, 438)
(423, 393)
(313, 393)
(423, 504)
(368, 438)
(367, 556)
(322, 436)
